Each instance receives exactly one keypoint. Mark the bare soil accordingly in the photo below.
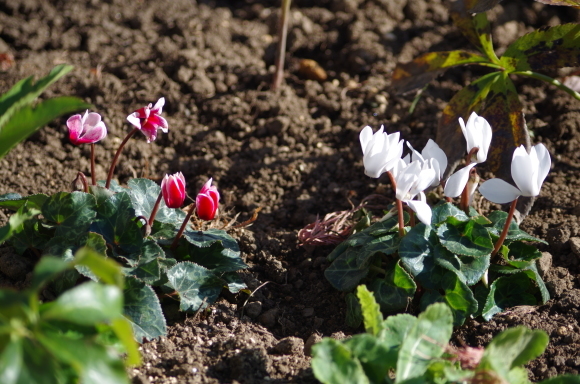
(294, 152)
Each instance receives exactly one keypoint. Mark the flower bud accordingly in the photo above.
(207, 201)
(173, 190)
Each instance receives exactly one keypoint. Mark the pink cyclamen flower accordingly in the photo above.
(173, 190)
(207, 201)
(86, 129)
(148, 119)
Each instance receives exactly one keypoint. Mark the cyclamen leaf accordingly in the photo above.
(17, 221)
(346, 271)
(14, 201)
(467, 238)
(468, 269)
(442, 211)
(498, 219)
(144, 194)
(73, 212)
(354, 316)
(143, 310)
(195, 285)
(507, 292)
(213, 249)
(234, 282)
(396, 290)
(149, 268)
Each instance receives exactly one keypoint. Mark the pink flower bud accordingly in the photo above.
(207, 201)
(148, 119)
(173, 190)
(86, 129)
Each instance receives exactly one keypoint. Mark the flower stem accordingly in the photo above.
(281, 51)
(506, 228)
(83, 181)
(183, 225)
(93, 176)
(116, 158)
(155, 208)
(549, 80)
(401, 217)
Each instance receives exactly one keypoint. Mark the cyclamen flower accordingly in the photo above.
(207, 201)
(529, 170)
(434, 155)
(412, 180)
(381, 151)
(148, 119)
(87, 129)
(173, 190)
(477, 133)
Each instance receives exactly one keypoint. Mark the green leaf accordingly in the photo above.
(442, 211)
(72, 212)
(47, 269)
(213, 249)
(346, 271)
(16, 221)
(234, 282)
(333, 363)
(354, 316)
(513, 348)
(86, 304)
(144, 194)
(418, 251)
(143, 310)
(115, 221)
(507, 292)
(569, 3)
(462, 104)
(498, 219)
(396, 290)
(93, 363)
(371, 311)
(426, 340)
(14, 201)
(548, 47)
(465, 238)
(393, 332)
(122, 328)
(149, 267)
(468, 269)
(26, 120)
(11, 361)
(421, 70)
(476, 27)
(197, 287)
(370, 352)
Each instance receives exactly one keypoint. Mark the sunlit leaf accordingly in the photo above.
(421, 70)
(396, 290)
(475, 28)
(143, 309)
(197, 287)
(371, 311)
(569, 3)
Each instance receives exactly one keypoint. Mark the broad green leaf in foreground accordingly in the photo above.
(334, 363)
(371, 311)
(426, 340)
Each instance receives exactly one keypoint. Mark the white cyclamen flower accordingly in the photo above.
(431, 154)
(412, 180)
(380, 150)
(456, 183)
(529, 170)
(477, 133)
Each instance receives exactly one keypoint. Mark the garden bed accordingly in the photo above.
(293, 153)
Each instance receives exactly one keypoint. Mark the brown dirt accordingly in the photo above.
(294, 152)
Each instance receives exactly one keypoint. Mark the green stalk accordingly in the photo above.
(281, 51)
(549, 80)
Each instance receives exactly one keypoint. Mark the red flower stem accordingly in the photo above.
(83, 178)
(155, 208)
(506, 228)
(183, 225)
(281, 50)
(464, 202)
(399, 206)
(116, 158)
(93, 176)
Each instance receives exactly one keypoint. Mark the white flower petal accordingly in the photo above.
(545, 163)
(485, 139)
(433, 151)
(499, 191)
(524, 171)
(422, 209)
(365, 136)
(134, 120)
(457, 182)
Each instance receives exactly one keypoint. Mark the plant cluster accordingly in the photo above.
(141, 226)
(493, 95)
(407, 349)
(478, 265)
(81, 336)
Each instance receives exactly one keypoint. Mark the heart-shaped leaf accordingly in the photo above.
(466, 238)
(396, 290)
(144, 194)
(142, 308)
(196, 285)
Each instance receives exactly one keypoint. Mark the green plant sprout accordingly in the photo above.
(141, 226)
(494, 95)
(20, 119)
(411, 350)
(477, 265)
(79, 337)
